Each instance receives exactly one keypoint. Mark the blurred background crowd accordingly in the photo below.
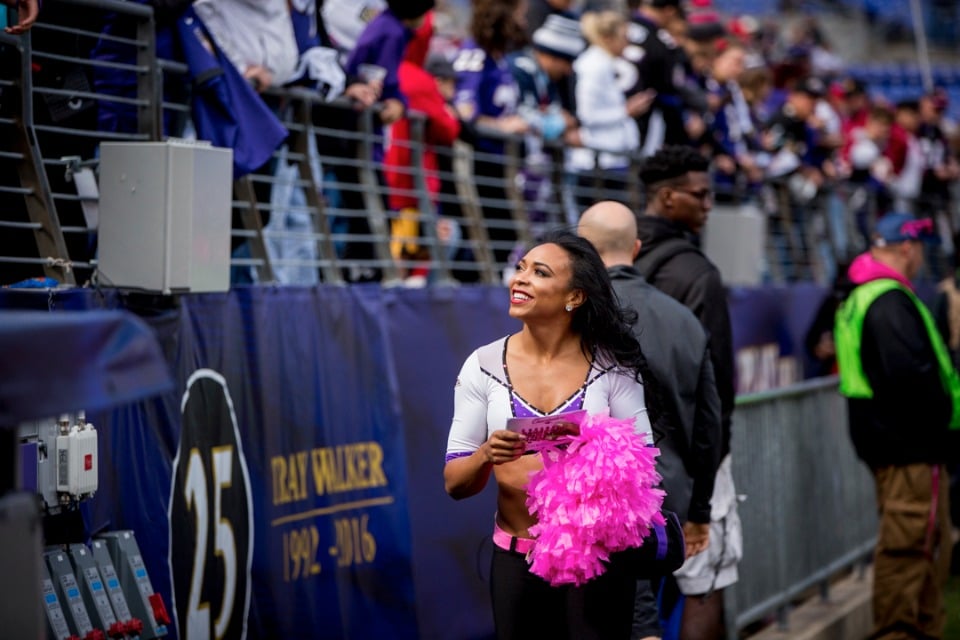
(820, 116)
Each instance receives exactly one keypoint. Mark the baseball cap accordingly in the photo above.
(559, 36)
(853, 86)
(707, 31)
(679, 5)
(811, 86)
(893, 228)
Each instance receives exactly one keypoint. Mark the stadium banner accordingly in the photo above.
(269, 493)
(769, 326)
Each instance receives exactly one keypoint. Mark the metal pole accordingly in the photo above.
(920, 35)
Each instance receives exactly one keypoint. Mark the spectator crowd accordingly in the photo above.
(606, 82)
(772, 109)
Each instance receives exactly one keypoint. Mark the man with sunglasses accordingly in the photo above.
(679, 199)
(903, 400)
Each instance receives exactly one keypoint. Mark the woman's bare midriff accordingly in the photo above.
(512, 479)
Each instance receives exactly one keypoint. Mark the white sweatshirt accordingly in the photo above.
(602, 111)
(253, 33)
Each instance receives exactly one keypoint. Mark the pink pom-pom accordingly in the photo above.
(592, 499)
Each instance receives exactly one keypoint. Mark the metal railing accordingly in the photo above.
(808, 509)
(490, 201)
(53, 134)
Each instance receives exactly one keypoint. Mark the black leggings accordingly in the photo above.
(525, 606)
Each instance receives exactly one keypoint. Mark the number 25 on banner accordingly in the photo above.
(211, 516)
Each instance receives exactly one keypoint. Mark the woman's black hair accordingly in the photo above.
(605, 328)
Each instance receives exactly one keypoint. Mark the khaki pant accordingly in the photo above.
(912, 558)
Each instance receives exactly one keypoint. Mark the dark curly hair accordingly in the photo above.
(605, 328)
(671, 164)
(494, 28)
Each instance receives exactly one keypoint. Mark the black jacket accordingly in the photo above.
(660, 65)
(906, 420)
(671, 262)
(688, 431)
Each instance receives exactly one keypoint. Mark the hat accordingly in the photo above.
(900, 227)
(559, 36)
(409, 9)
(438, 66)
(811, 86)
(853, 86)
(706, 31)
(679, 5)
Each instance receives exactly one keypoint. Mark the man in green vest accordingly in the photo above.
(903, 397)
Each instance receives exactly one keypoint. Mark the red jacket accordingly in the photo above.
(442, 128)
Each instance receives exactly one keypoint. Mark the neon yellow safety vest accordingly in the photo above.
(848, 334)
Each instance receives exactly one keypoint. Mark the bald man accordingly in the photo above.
(675, 345)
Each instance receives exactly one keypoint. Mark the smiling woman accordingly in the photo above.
(574, 352)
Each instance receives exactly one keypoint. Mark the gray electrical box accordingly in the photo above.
(165, 212)
(57, 627)
(68, 590)
(111, 581)
(93, 590)
(145, 604)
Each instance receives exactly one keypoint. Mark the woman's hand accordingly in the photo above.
(503, 446)
(467, 476)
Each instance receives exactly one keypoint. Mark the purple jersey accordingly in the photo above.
(381, 44)
(485, 87)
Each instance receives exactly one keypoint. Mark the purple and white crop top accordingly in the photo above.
(484, 399)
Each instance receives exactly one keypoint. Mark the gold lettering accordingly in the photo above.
(279, 467)
(336, 457)
(292, 490)
(350, 469)
(323, 471)
(302, 468)
(317, 472)
(363, 477)
(346, 467)
(375, 459)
